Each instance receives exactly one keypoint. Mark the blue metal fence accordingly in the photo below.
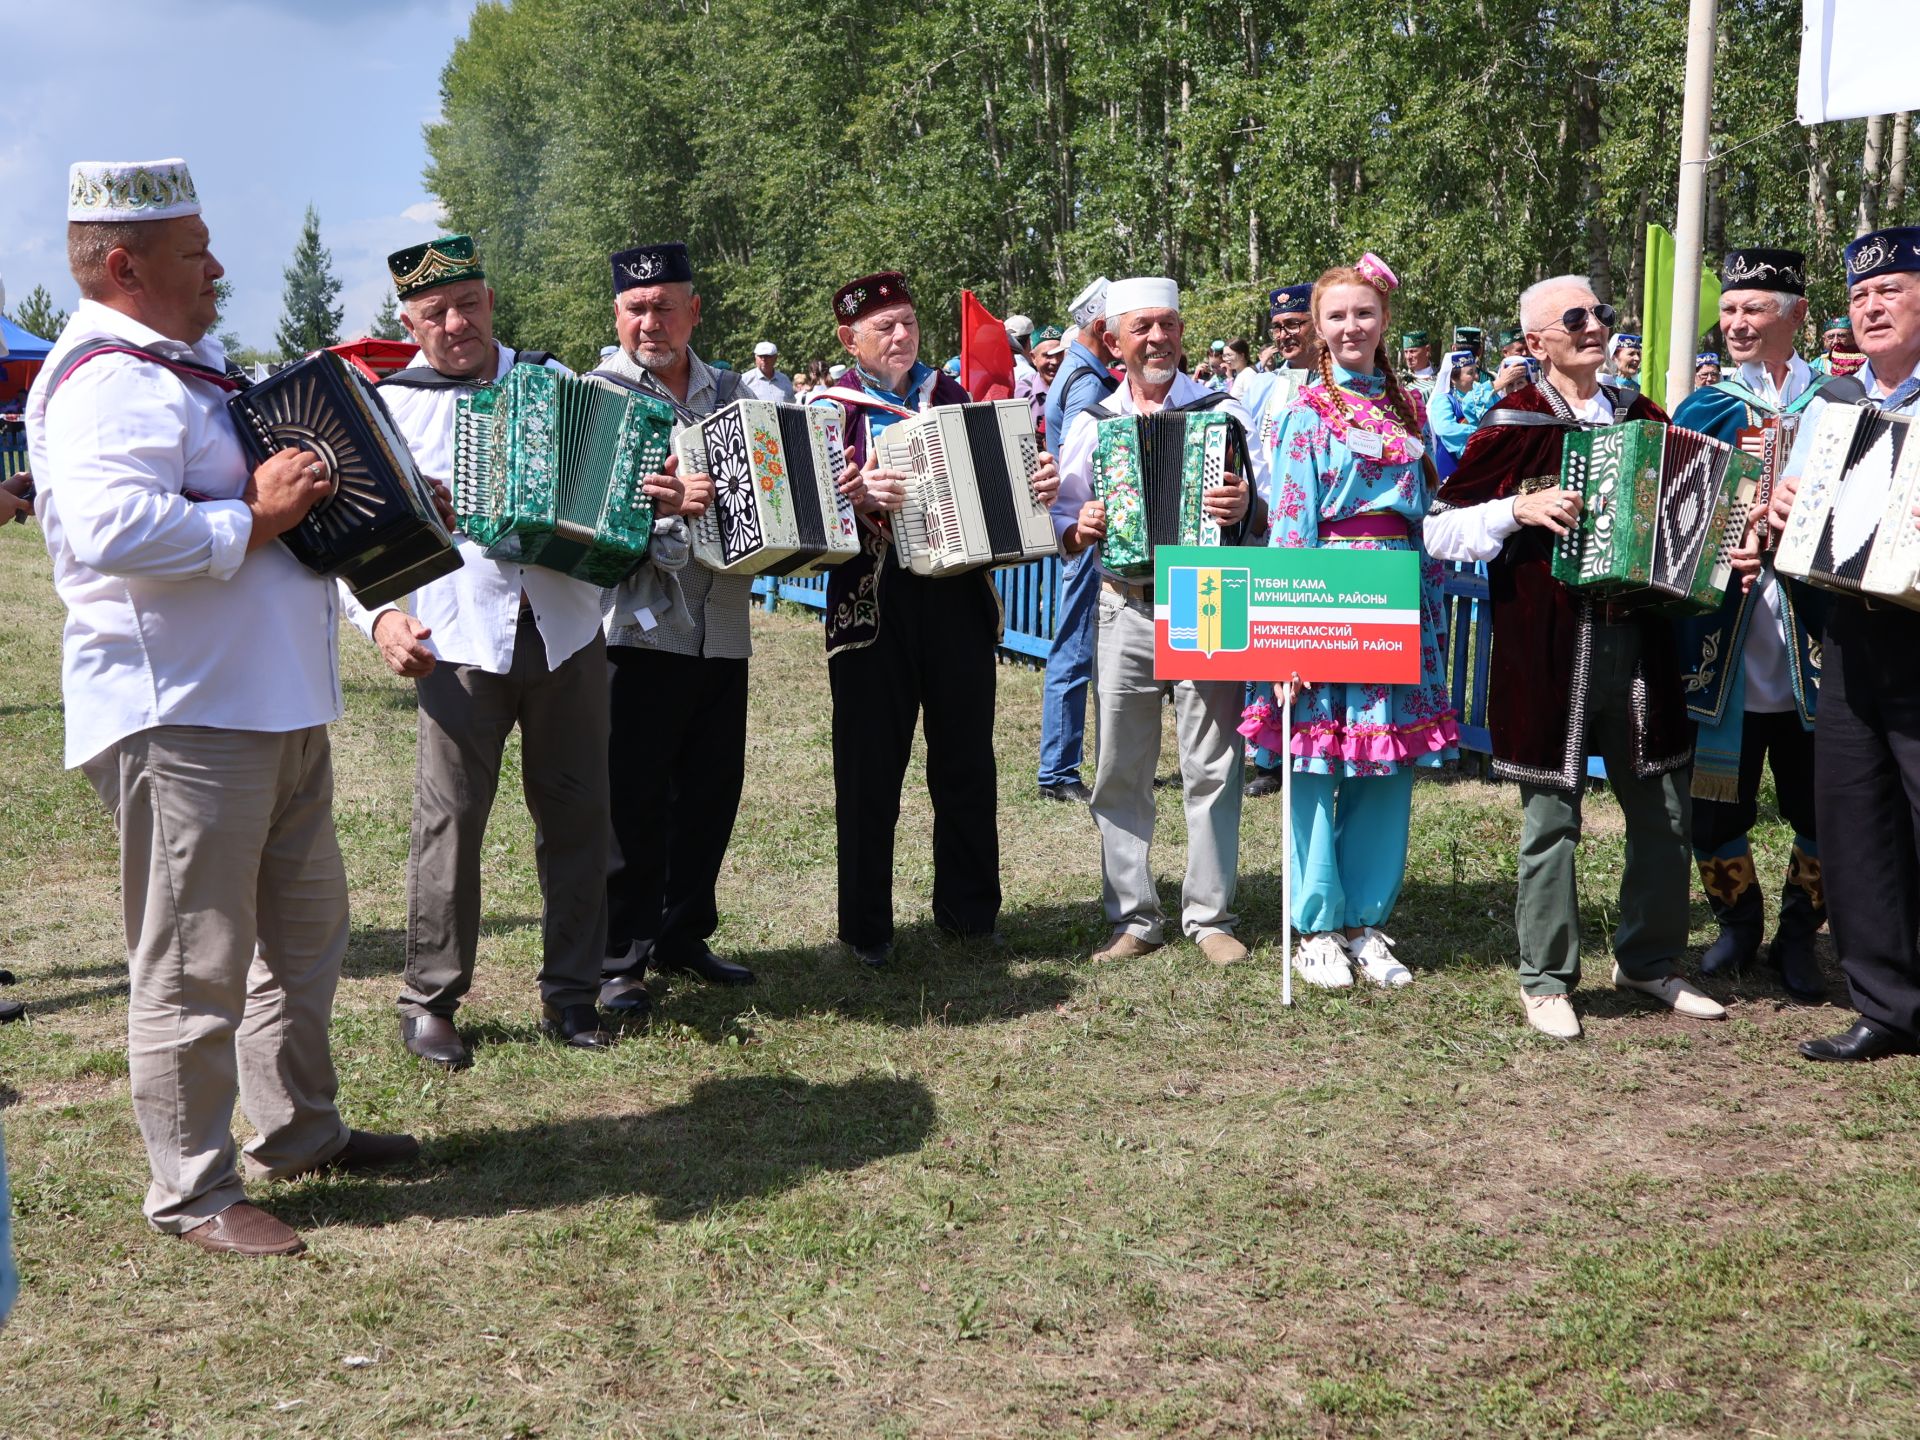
(1029, 594)
(13, 452)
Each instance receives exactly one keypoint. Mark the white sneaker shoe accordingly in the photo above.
(1551, 1015)
(1322, 960)
(1674, 993)
(1371, 951)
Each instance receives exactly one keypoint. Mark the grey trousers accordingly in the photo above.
(1656, 884)
(235, 906)
(466, 714)
(1211, 760)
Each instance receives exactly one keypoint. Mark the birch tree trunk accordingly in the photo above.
(1871, 155)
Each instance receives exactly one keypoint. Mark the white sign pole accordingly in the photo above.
(1284, 693)
(1690, 221)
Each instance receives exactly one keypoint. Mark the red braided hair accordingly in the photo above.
(1397, 397)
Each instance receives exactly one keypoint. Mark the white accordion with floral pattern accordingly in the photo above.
(776, 507)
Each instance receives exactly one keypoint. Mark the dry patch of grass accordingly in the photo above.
(988, 1192)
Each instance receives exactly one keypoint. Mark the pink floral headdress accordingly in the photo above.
(1377, 273)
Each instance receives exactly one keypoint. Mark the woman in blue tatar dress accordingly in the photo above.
(1348, 470)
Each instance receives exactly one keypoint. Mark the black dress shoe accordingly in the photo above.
(1862, 1042)
(12, 1010)
(434, 1039)
(709, 967)
(874, 957)
(1793, 957)
(1264, 782)
(626, 997)
(1068, 791)
(577, 1025)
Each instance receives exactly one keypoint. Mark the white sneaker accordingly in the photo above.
(1371, 951)
(1551, 1015)
(1674, 993)
(1322, 960)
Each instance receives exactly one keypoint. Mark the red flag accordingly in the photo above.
(986, 356)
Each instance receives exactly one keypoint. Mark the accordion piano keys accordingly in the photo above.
(379, 530)
(970, 499)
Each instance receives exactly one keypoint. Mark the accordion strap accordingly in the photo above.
(186, 369)
(1507, 415)
(848, 396)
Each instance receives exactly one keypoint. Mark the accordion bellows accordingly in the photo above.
(378, 531)
(1851, 528)
(1152, 473)
(551, 470)
(970, 489)
(1663, 510)
(777, 508)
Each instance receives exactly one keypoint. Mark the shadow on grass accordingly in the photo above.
(735, 1138)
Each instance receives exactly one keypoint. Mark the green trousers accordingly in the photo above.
(1655, 887)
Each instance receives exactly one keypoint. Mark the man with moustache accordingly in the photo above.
(1144, 330)
(1572, 675)
(677, 644)
(489, 647)
(903, 648)
(1752, 669)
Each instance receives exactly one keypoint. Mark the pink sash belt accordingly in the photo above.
(1374, 525)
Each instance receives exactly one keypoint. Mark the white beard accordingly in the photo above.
(650, 362)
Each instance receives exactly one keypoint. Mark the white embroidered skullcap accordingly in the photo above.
(130, 190)
(1090, 303)
(1142, 292)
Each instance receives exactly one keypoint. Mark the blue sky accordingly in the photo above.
(273, 103)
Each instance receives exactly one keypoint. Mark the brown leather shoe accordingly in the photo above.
(1222, 948)
(243, 1229)
(1123, 945)
(366, 1150)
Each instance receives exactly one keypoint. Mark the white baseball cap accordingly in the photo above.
(766, 347)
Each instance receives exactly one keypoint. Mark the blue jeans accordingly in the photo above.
(1063, 712)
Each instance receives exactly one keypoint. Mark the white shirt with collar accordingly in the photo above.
(775, 387)
(474, 613)
(170, 619)
(1759, 379)
(1076, 454)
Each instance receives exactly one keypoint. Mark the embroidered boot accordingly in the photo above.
(1733, 894)
(1802, 911)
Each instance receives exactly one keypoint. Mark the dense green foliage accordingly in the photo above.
(311, 320)
(1020, 146)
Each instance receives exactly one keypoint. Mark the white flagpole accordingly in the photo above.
(1285, 695)
(1690, 219)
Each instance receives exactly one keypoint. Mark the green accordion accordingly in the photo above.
(1662, 511)
(1152, 473)
(549, 470)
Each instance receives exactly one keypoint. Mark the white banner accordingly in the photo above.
(1857, 57)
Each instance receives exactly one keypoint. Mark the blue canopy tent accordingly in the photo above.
(25, 354)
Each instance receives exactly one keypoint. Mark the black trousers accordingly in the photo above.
(676, 761)
(933, 662)
(1764, 737)
(1867, 744)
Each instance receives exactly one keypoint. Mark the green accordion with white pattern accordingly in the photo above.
(550, 470)
(1152, 472)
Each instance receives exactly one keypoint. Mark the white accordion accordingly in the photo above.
(1851, 528)
(970, 488)
(777, 509)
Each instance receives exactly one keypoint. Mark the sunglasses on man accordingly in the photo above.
(1575, 320)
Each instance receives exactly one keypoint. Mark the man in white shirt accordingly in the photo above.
(1571, 676)
(489, 647)
(1752, 668)
(200, 674)
(764, 381)
(1144, 331)
(1020, 340)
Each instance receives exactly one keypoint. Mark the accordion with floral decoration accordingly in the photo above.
(551, 470)
(777, 508)
(1152, 472)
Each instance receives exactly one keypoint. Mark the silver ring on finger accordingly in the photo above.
(317, 469)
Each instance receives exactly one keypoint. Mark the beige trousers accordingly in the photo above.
(235, 904)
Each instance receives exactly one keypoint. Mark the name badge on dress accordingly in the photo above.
(1366, 444)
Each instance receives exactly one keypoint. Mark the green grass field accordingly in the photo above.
(980, 1194)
